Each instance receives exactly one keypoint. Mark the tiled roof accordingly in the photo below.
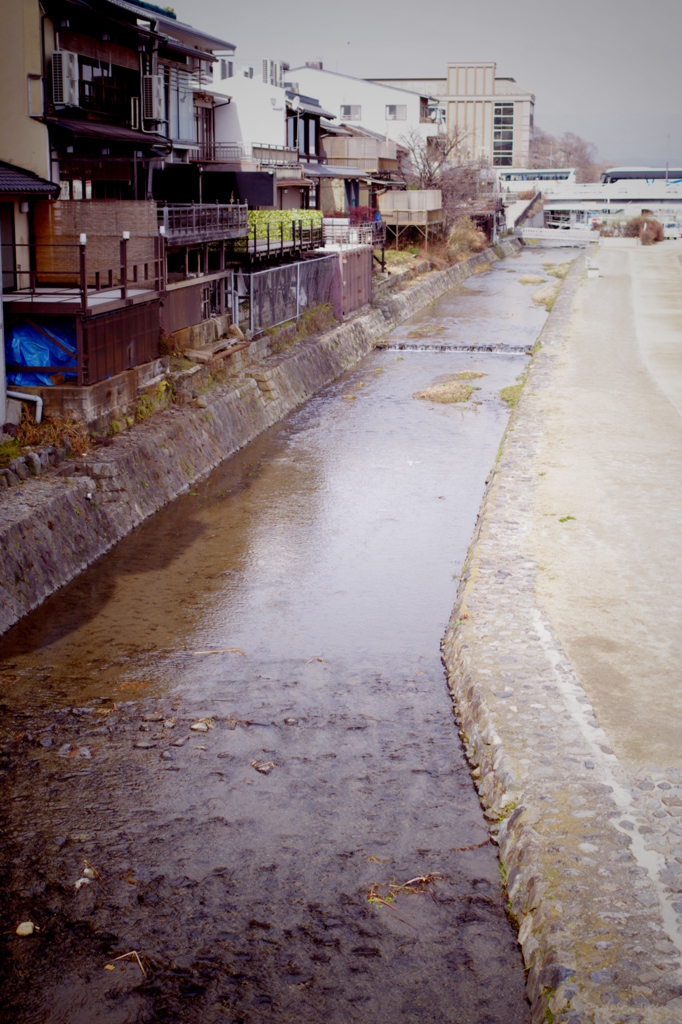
(16, 181)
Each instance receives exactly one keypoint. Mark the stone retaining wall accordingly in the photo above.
(53, 527)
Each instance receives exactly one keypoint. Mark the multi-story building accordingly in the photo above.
(98, 98)
(388, 110)
(493, 116)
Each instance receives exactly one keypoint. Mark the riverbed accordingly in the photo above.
(314, 847)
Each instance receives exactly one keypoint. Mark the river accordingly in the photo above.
(290, 606)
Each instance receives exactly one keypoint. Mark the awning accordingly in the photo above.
(111, 132)
(295, 183)
(174, 46)
(15, 181)
(306, 105)
(327, 171)
(388, 183)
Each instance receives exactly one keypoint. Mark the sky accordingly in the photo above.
(608, 70)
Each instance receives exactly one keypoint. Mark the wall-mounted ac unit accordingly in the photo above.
(152, 98)
(64, 78)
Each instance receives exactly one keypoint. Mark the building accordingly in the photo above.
(494, 115)
(386, 110)
(98, 98)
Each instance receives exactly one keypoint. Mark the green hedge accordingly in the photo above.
(261, 218)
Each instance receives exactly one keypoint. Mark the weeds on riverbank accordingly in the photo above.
(314, 321)
(54, 430)
(511, 394)
(546, 296)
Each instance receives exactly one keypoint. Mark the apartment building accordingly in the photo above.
(493, 114)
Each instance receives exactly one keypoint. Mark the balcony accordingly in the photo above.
(261, 152)
(198, 223)
(274, 156)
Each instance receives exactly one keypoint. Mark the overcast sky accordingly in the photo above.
(609, 70)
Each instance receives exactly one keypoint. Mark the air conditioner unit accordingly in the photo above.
(152, 98)
(64, 78)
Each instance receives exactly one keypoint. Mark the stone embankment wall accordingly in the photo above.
(53, 527)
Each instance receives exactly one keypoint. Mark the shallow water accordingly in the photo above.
(318, 567)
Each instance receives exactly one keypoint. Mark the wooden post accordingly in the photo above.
(79, 349)
(83, 275)
(124, 265)
(268, 238)
(281, 235)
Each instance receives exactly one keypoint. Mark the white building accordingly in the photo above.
(389, 111)
(249, 102)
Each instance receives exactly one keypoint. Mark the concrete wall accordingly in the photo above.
(50, 530)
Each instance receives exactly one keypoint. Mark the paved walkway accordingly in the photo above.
(564, 648)
(611, 455)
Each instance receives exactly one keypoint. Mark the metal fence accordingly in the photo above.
(266, 298)
(203, 222)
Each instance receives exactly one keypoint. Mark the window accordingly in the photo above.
(351, 112)
(203, 121)
(396, 112)
(503, 134)
(106, 88)
(226, 69)
(179, 106)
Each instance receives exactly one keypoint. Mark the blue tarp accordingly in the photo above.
(51, 345)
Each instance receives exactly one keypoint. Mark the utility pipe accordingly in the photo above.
(23, 397)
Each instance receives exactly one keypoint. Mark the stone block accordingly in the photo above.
(34, 463)
(19, 468)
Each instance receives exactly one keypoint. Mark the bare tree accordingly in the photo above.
(441, 161)
(567, 150)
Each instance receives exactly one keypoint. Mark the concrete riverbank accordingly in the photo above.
(53, 527)
(563, 650)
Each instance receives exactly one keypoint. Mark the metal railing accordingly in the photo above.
(274, 156)
(297, 236)
(564, 234)
(202, 222)
(228, 151)
(263, 152)
(339, 231)
(77, 281)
